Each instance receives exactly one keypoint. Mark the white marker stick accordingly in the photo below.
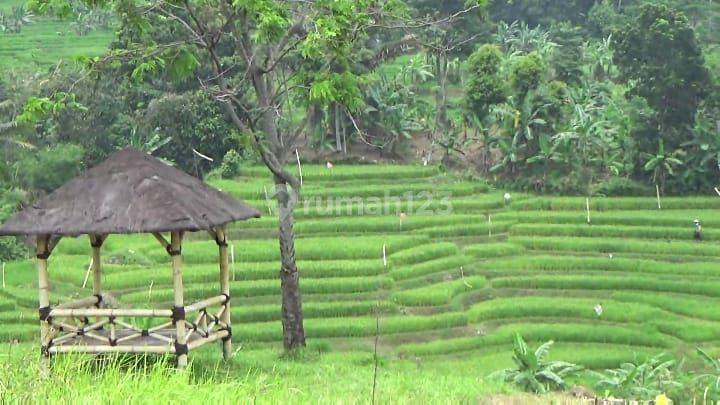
(297, 156)
(384, 257)
(3, 274)
(87, 273)
(489, 226)
(657, 192)
(587, 208)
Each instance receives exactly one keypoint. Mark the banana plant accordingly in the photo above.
(662, 164)
(640, 381)
(533, 372)
(710, 380)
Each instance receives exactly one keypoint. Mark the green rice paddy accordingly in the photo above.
(436, 286)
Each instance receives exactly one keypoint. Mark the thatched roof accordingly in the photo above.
(130, 192)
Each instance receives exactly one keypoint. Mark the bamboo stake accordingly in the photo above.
(297, 156)
(204, 340)
(657, 192)
(43, 297)
(87, 274)
(587, 207)
(165, 349)
(225, 288)
(176, 244)
(384, 256)
(3, 274)
(489, 226)
(106, 312)
(96, 265)
(197, 306)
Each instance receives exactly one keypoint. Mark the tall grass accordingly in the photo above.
(588, 282)
(565, 332)
(668, 218)
(440, 293)
(365, 173)
(358, 327)
(245, 271)
(617, 245)
(687, 305)
(615, 231)
(487, 250)
(449, 263)
(569, 264)
(616, 203)
(325, 248)
(423, 253)
(571, 308)
(256, 288)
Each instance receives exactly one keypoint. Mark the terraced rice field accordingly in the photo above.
(45, 42)
(461, 272)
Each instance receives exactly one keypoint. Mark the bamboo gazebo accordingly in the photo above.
(131, 192)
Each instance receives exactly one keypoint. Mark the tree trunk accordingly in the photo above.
(292, 316)
(338, 138)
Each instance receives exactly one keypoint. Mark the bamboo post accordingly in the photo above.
(3, 274)
(587, 208)
(657, 193)
(96, 242)
(43, 299)
(224, 289)
(181, 341)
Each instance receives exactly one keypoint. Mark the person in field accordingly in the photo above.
(698, 230)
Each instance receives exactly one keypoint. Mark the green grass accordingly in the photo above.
(621, 203)
(570, 264)
(46, 42)
(256, 288)
(449, 263)
(565, 332)
(617, 245)
(448, 291)
(667, 218)
(624, 282)
(440, 293)
(614, 231)
(487, 250)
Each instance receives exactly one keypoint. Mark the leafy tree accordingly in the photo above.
(257, 52)
(659, 57)
(533, 372)
(484, 86)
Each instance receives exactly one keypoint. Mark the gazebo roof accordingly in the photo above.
(130, 192)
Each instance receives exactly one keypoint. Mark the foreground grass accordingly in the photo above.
(256, 376)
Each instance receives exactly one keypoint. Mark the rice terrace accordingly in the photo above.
(420, 201)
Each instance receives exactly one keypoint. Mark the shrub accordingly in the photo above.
(230, 165)
(620, 187)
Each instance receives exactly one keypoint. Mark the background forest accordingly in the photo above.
(577, 97)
